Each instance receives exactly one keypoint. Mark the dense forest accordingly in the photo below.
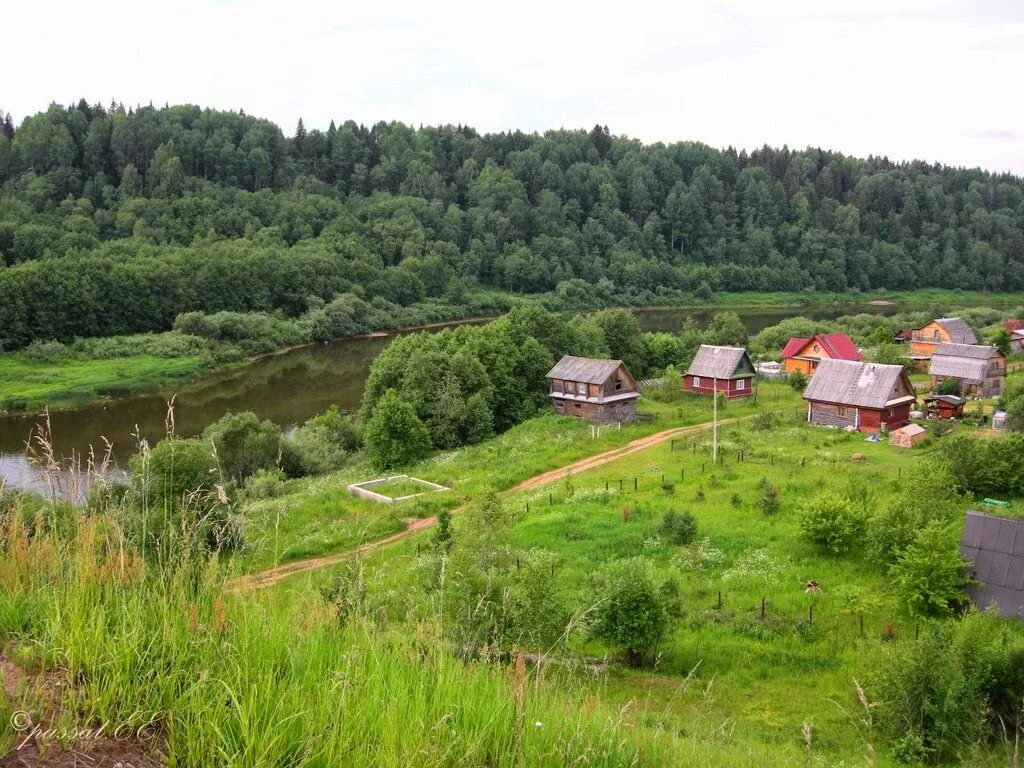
(115, 221)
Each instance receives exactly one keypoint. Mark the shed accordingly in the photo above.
(995, 545)
(593, 389)
(945, 407)
(728, 370)
(863, 396)
(979, 370)
(908, 436)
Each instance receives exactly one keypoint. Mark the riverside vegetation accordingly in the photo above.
(784, 606)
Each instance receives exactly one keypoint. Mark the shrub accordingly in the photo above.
(797, 380)
(679, 527)
(930, 575)
(394, 435)
(949, 386)
(768, 497)
(756, 569)
(831, 521)
(765, 421)
(631, 616)
(244, 444)
(265, 484)
(325, 442)
(46, 352)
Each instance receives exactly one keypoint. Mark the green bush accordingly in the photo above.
(679, 527)
(831, 521)
(325, 442)
(930, 575)
(265, 484)
(43, 352)
(394, 435)
(244, 444)
(768, 497)
(631, 614)
(797, 381)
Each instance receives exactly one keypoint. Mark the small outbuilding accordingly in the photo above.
(593, 389)
(995, 545)
(944, 407)
(908, 436)
(867, 397)
(728, 370)
(979, 370)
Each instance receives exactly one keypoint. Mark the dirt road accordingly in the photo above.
(272, 576)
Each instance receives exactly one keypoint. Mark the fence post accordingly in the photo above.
(634, 485)
(862, 625)
(527, 507)
(682, 473)
(620, 485)
(762, 608)
(551, 499)
(719, 599)
(810, 613)
(606, 485)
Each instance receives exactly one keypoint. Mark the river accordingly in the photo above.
(286, 388)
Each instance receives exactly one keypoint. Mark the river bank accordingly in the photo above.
(28, 383)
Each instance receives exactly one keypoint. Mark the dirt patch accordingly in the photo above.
(97, 753)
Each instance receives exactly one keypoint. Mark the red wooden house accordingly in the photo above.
(728, 370)
(863, 396)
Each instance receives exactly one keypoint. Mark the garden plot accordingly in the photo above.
(395, 489)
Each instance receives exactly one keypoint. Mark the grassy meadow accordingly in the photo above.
(731, 685)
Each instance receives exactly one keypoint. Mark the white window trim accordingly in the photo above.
(741, 384)
(696, 381)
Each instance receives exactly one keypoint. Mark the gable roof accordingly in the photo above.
(995, 544)
(847, 382)
(719, 362)
(837, 346)
(959, 331)
(589, 370)
(793, 346)
(962, 361)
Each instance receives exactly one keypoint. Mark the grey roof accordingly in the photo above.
(995, 545)
(848, 382)
(586, 369)
(959, 331)
(951, 399)
(719, 362)
(962, 361)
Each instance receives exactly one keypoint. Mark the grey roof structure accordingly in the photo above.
(721, 363)
(962, 361)
(995, 545)
(586, 369)
(868, 385)
(959, 331)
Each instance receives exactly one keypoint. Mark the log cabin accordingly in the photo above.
(867, 397)
(803, 355)
(728, 370)
(979, 370)
(596, 390)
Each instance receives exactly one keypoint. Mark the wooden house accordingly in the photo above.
(1016, 342)
(945, 407)
(595, 390)
(908, 436)
(944, 330)
(862, 396)
(803, 355)
(995, 546)
(728, 370)
(980, 371)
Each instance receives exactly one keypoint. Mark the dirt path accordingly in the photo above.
(272, 576)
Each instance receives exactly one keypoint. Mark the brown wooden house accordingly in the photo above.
(945, 330)
(728, 370)
(595, 390)
(980, 371)
(862, 396)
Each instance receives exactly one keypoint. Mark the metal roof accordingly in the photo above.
(995, 545)
(869, 385)
(837, 346)
(586, 369)
(951, 399)
(720, 362)
(959, 331)
(962, 361)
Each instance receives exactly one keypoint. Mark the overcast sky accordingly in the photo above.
(935, 80)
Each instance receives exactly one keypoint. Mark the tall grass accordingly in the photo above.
(227, 681)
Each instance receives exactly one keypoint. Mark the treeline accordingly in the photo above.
(113, 220)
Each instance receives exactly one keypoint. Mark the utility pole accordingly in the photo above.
(714, 423)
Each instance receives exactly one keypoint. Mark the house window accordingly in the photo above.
(581, 387)
(935, 335)
(696, 381)
(618, 384)
(578, 406)
(817, 348)
(559, 406)
(741, 384)
(842, 411)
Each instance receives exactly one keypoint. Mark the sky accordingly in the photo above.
(932, 80)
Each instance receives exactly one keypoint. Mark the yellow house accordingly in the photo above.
(944, 330)
(803, 355)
